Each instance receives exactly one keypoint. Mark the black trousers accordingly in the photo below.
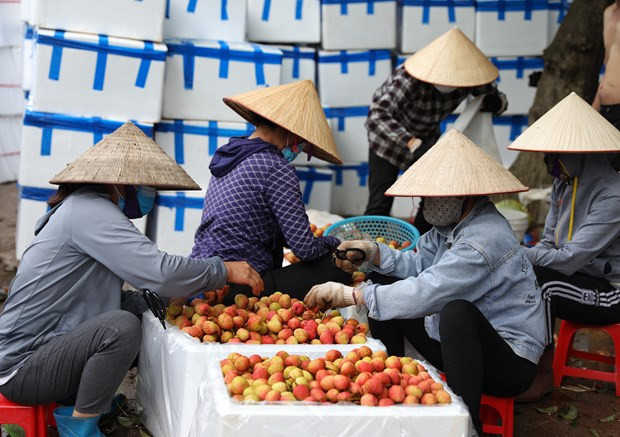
(612, 115)
(577, 298)
(296, 279)
(84, 366)
(382, 175)
(474, 357)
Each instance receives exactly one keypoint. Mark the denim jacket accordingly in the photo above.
(479, 260)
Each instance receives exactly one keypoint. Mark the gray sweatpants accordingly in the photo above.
(88, 364)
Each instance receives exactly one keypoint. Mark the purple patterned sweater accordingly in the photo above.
(255, 201)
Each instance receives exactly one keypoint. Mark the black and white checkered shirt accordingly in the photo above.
(404, 107)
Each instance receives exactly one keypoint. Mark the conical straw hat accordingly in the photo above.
(452, 60)
(455, 166)
(295, 107)
(571, 126)
(127, 157)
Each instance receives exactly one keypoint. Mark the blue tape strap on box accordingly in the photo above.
(48, 122)
(179, 203)
(503, 6)
(225, 55)
(449, 5)
(342, 113)
(267, 9)
(519, 64)
(103, 48)
(35, 193)
(296, 55)
(310, 175)
(516, 122)
(145, 64)
(102, 60)
(191, 6)
(29, 32)
(212, 131)
(344, 9)
(344, 57)
(361, 169)
(167, 8)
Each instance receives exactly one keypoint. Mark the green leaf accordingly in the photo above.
(125, 421)
(549, 410)
(569, 413)
(594, 432)
(610, 418)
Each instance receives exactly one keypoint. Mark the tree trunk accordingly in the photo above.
(572, 63)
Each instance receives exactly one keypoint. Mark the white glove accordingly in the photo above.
(328, 295)
(354, 259)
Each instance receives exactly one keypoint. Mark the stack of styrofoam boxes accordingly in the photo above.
(208, 59)
(105, 67)
(11, 97)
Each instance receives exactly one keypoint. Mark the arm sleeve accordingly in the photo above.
(283, 195)
(383, 114)
(462, 273)
(110, 238)
(408, 264)
(600, 229)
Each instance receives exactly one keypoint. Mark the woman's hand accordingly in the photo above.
(354, 260)
(330, 294)
(240, 272)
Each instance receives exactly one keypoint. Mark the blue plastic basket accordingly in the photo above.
(369, 227)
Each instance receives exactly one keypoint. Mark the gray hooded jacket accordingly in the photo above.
(74, 270)
(595, 245)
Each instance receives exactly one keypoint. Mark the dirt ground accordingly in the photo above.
(580, 408)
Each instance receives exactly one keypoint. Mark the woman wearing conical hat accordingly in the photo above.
(577, 261)
(63, 333)
(254, 203)
(467, 299)
(406, 111)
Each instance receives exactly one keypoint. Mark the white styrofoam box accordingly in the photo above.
(512, 27)
(293, 21)
(350, 188)
(176, 217)
(27, 58)
(206, 19)
(218, 415)
(316, 187)
(10, 133)
(10, 65)
(26, 11)
(142, 20)
(358, 24)
(200, 73)
(513, 81)
(172, 363)
(557, 12)
(349, 132)
(349, 78)
(11, 99)
(51, 141)
(193, 143)
(32, 205)
(298, 63)
(10, 24)
(97, 76)
(507, 128)
(422, 21)
(405, 208)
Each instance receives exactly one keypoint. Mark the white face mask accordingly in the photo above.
(444, 89)
(442, 211)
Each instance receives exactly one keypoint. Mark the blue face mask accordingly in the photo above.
(291, 152)
(138, 201)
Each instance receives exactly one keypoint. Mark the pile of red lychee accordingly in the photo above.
(275, 319)
(361, 377)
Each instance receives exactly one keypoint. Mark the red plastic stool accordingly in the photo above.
(494, 410)
(564, 350)
(33, 420)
